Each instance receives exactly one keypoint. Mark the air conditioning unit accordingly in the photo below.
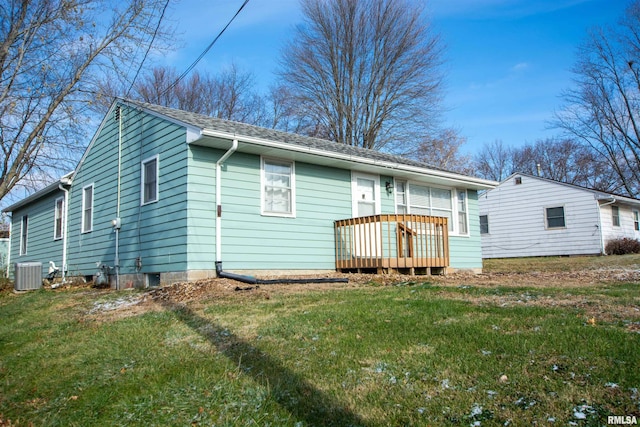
(28, 276)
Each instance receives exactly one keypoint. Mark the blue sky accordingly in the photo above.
(506, 61)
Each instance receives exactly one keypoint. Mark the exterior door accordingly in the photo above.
(365, 195)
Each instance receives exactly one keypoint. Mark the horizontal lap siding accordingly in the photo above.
(41, 246)
(252, 241)
(154, 232)
(465, 252)
(517, 220)
(626, 227)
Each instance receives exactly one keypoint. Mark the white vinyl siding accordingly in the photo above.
(149, 180)
(58, 216)
(518, 220)
(278, 188)
(87, 208)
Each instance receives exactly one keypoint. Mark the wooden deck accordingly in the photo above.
(416, 244)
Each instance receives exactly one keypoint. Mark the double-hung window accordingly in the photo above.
(278, 188)
(462, 212)
(58, 215)
(87, 208)
(636, 220)
(24, 232)
(484, 224)
(615, 216)
(555, 217)
(149, 181)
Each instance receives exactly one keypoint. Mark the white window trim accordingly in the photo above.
(84, 228)
(142, 164)
(546, 220)
(354, 188)
(265, 212)
(24, 240)
(636, 219)
(55, 219)
(454, 203)
(457, 212)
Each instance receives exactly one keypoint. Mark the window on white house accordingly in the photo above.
(87, 208)
(484, 224)
(555, 217)
(462, 212)
(58, 216)
(615, 216)
(149, 180)
(23, 234)
(278, 188)
(636, 220)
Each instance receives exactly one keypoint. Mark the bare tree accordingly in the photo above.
(229, 95)
(443, 151)
(52, 55)
(494, 161)
(603, 109)
(366, 70)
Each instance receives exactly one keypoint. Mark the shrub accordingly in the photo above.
(622, 246)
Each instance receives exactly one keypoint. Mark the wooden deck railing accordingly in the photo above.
(392, 242)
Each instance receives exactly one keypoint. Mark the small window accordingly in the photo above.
(462, 212)
(636, 220)
(484, 224)
(23, 234)
(615, 216)
(87, 208)
(555, 217)
(58, 216)
(401, 197)
(518, 180)
(149, 171)
(278, 189)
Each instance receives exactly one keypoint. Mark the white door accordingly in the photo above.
(365, 190)
(367, 239)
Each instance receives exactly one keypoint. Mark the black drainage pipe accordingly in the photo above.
(253, 281)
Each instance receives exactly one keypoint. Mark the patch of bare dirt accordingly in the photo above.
(597, 307)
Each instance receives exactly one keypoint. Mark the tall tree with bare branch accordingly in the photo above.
(53, 54)
(368, 71)
(603, 109)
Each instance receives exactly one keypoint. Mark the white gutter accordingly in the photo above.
(348, 157)
(66, 181)
(219, 163)
(612, 201)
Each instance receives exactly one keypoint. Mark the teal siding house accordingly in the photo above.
(163, 195)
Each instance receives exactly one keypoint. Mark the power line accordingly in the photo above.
(188, 70)
(153, 38)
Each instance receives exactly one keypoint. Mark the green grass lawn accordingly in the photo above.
(418, 353)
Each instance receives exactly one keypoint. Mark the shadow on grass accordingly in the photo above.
(292, 392)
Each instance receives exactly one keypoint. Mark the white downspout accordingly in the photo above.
(602, 244)
(64, 227)
(219, 163)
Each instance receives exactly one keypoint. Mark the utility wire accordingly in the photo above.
(153, 38)
(188, 70)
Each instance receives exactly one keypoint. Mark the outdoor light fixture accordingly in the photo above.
(389, 186)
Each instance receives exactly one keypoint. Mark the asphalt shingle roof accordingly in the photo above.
(242, 129)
